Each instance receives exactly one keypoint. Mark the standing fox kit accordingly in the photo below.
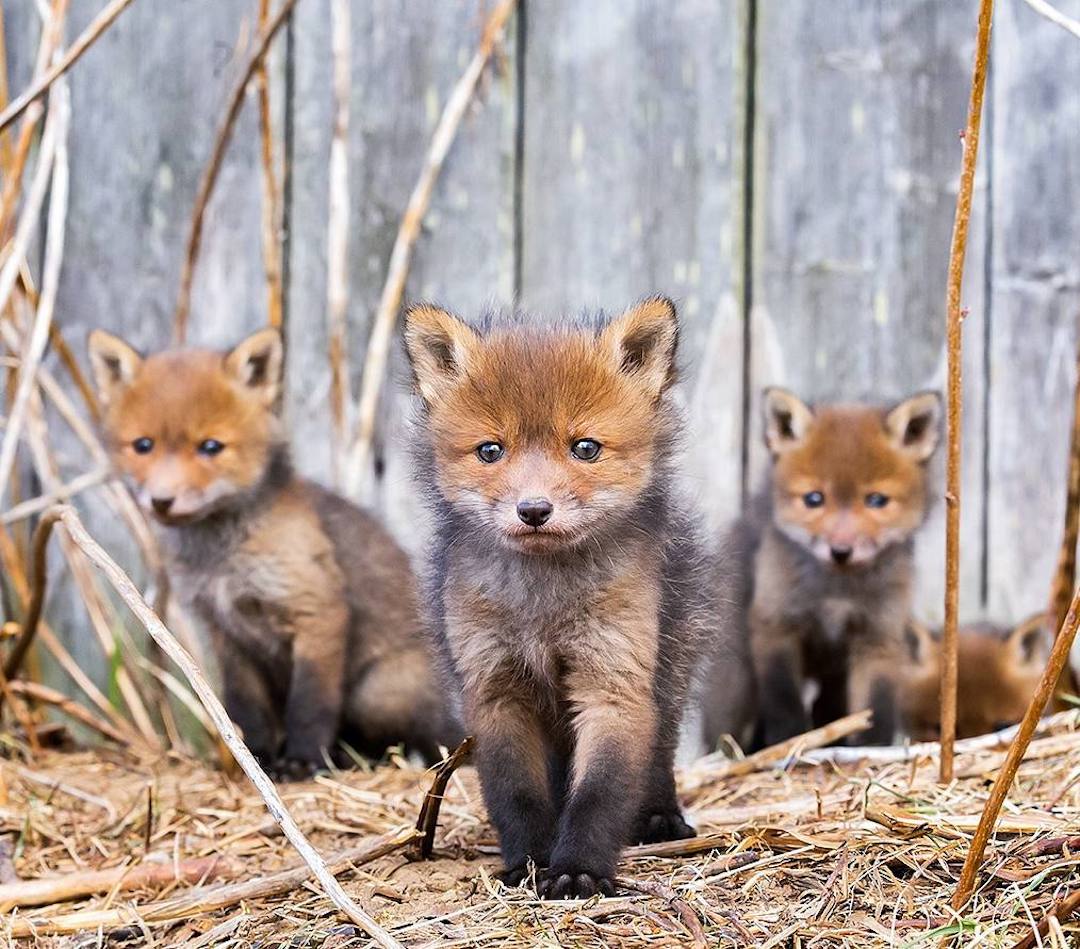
(310, 604)
(832, 560)
(566, 583)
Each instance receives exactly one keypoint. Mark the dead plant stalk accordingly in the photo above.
(954, 318)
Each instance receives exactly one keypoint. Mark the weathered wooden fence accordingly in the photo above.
(786, 169)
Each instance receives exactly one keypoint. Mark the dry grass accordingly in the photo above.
(818, 855)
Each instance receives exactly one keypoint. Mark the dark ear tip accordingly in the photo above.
(667, 303)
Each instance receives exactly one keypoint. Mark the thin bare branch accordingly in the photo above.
(378, 349)
(954, 318)
(1055, 16)
(270, 203)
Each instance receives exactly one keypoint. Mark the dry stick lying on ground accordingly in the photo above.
(1059, 655)
(217, 155)
(203, 900)
(73, 886)
(378, 349)
(1062, 909)
(97, 26)
(954, 317)
(158, 632)
(1065, 576)
(337, 242)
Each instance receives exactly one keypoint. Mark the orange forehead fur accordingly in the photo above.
(179, 399)
(846, 453)
(536, 392)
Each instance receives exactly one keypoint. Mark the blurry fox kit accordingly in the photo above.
(309, 602)
(998, 670)
(831, 560)
(567, 584)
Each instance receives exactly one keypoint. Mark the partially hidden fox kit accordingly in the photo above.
(310, 604)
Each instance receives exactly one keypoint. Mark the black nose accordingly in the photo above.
(161, 505)
(840, 554)
(534, 511)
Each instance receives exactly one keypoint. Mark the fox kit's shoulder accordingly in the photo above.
(998, 672)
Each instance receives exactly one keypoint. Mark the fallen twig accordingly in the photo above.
(1061, 909)
(86, 39)
(204, 900)
(161, 635)
(72, 886)
(954, 319)
(1059, 655)
(378, 349)
(429, 810)
(213, 167)
(679, 904)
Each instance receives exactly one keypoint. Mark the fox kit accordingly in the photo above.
(830, 561)
(310, 604)
(567, 585)
(998, 672)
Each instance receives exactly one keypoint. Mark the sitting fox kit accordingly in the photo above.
(832, 558)
(310, 604)
(998, 671)
(566, 582)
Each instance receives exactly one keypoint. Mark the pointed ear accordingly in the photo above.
(643, 342)
(257, 362)
(914, 426)
(920, 644)
(114, 364)
(787, 419)
(1030, 643)
(439, 345)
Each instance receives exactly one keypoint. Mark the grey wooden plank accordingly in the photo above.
(1036, 299)
(406, 57)
(631, 186)
(856, 163)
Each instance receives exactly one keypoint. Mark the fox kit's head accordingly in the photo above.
(193, 431)
(849, 481)
(544, 436)
(997, 674)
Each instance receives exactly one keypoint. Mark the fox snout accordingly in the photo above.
(535, 512)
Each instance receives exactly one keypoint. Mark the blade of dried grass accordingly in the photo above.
(378, 349)
(270, 204)
(1055, 16)
(954, 318)
(213, 167)
(130, 595)
(86, 39)
(71, 708)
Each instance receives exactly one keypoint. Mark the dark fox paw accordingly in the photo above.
(292, 769)
(513, 876)
(569, 883)
(658, 826)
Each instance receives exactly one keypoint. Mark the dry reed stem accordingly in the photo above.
(378, 349)
(337, 241)
(86, 39)
(1055, 16)
(270, 205)
(160, 634)
(5, 138)
(1059, 655)
(1062, 909)
(42, 693)
(1064, 582)
(954, 318)
(72, 886)
(213, 167)
(34, 345)
(32, 506)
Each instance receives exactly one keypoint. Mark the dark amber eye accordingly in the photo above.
(489, 452)
(143, 446)
(585, 449)
(211, 447)
(876, 499)
(813, 499)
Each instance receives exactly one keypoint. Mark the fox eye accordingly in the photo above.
(876, 499)
(211, 447)
(813, 499)
(143, 446)
(489, 452)
(585, 449)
